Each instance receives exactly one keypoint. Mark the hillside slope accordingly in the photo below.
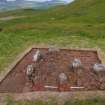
(79, 24)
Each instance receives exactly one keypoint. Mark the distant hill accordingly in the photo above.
(19, 4)
(80, 24)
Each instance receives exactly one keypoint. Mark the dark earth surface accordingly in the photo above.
(47, 71)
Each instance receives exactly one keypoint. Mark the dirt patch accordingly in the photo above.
(47, 71)
(11, 17)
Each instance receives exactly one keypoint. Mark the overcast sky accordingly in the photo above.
(43, 0)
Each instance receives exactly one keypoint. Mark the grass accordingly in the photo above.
(93, 101)
(10, 101)
(80, 24)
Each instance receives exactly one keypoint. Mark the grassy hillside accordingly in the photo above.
(79, 24)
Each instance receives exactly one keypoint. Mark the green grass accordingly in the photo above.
(80, 24)
(10, 101)
(93, 101)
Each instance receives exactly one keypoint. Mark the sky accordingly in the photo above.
(43, 0)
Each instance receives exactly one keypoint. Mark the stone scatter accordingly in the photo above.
(53, 69)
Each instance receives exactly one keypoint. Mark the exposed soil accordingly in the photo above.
(10, 17)
(48, 69)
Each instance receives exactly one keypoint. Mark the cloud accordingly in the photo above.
(11, 0)
(39, 0)
(50, 0)
(44, 0)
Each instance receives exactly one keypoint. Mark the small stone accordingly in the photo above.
(29, 71)
(53, 49)
(76, 64)
(98, 68)
(62, 78)
(37, 56)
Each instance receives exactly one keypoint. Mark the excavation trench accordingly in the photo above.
(47, 71)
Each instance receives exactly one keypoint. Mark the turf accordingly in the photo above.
(93, 101)
(80, 24)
